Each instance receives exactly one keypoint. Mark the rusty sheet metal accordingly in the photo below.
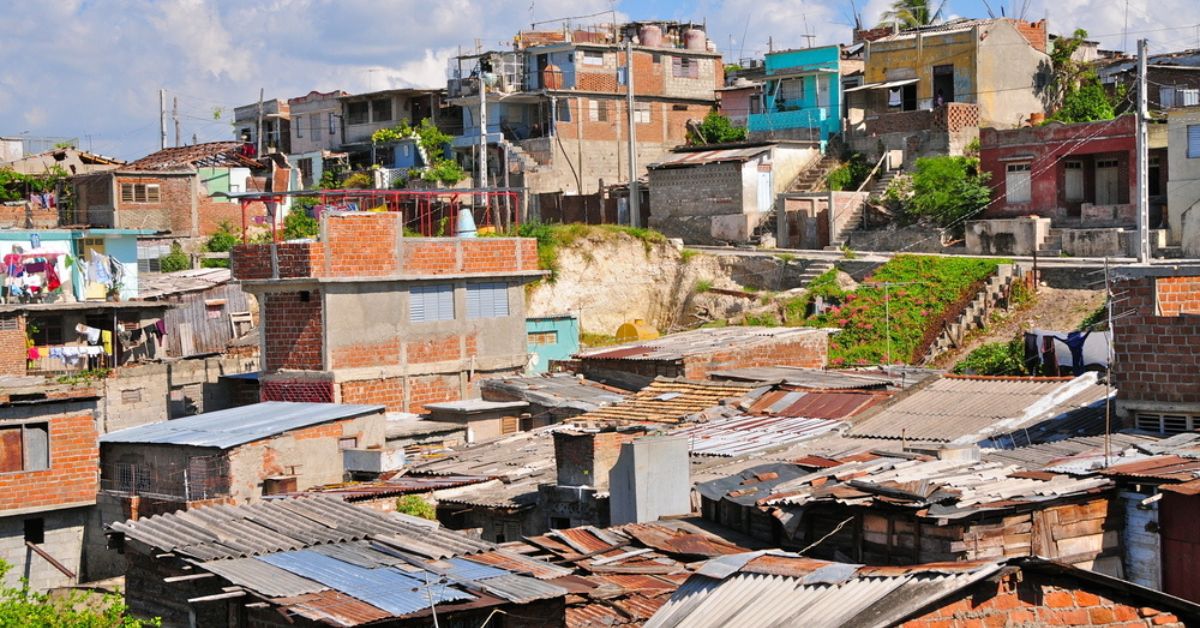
(678, 542)
(583, 540)
(1186, 488)
(332, 607)
(637, 582)
(402, 485)
(1168, 467)
(517, 563)
(642, 607)
(669, 401)
(597, 615)
(699, 342)
(815, 405)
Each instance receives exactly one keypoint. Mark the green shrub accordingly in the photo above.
(947, 190)
(222, 241)
(298, 225)
(849, 175)
(24, 606)
(716, 129)
(359, 181)
(995, 358)
(416, 506)
(174, 261)
(686, 255)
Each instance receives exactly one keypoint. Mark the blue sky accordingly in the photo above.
(92, 68)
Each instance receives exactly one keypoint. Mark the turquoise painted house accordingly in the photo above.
(70, 249)
(802, 95)
(551, 338)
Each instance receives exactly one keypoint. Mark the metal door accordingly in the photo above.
(1140, 541)
(765, 196)
(1180, 554)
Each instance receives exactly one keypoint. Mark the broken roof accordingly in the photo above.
(671, 401)
(407, 484)
(865, 379)
(332, 562)
(556, 390)
(159, 285)
(698, 342)
(968, 409)
(207, 155)
(236, 426)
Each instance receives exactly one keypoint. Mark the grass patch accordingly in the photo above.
(686, 255)
(786, 258)
(590, 340)
(702, 286)
(761, 320)
(995, 358)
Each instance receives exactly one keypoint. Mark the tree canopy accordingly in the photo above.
(913, 13)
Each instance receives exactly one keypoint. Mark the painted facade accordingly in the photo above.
(801, 92)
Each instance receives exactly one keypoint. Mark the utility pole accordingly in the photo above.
(1143, 188)
(634, 198)
(162, 119)
(175, 117)
(483, 139)
(259, 146)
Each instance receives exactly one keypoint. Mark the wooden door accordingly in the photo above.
(1180, 554)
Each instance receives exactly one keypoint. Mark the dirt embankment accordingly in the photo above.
(607, 279)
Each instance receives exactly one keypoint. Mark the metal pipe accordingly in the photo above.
(50, 559)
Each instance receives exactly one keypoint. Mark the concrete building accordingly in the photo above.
(364, 114)
(802, 94)
(1183, 179)
(551, 338)
(694, 354)
(739, 100)
(486, 420)
(274, 117)
(177, 191)
(936, 84)
(716, 194)
(48, 464)
(1156, 343)
(316, 135)
(366, 315)
(557, 115)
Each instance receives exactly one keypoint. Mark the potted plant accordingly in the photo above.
(114, 292)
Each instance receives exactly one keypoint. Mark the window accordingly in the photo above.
(487, 300)
(1193, 141)
(592, 57)
(543, 337)
(597, 111)
(35, 530)
(1017, 183)
(641, 112)
(299, 126)
(350, 442)
(381, 110)
(305, 165)
(332, 123)
(559, 523)
(1153, 176)
(1166, 423)
(791, 92)
(46, 330)
(24, 447)
(139, 193)
(563, 111)
(684, 67)
(357, 113)
(431, 303)
(314, 125)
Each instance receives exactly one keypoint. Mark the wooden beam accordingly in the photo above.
(218, 596)
(192, 576)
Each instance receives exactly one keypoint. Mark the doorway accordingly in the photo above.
(1107, 178)
(943, 84)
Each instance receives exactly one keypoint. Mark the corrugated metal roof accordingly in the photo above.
(1077, 455)
(215, 532)
(816, 405)
(516, 563)
(158, 285)
(210, 154)
(402, 485)
(332, 607)
(520, 589)
(697, 342)
(261, 577)
(385, 588)
(696, 158)
(236, 426)
(744, 435)
(823, 379)
(557, 390)
(970, 409)
(841, 595)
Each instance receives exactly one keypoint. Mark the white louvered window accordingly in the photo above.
(1017, 184)
(1193, 141)
(431, 303)
(487, 300)
(1166, 423)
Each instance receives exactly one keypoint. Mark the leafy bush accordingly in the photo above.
(22, 606)
(716, 129)
(298, 225)
(849, 175)
(1088, 103)
(359, 181)
(551, 238)
(174, 261)
(995, 358)
(222, 241)
(433, 142)
(947, 190)
(416, 506)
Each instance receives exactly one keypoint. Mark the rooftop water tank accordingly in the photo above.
(650, 36)
(552, 77)
(637, 329)
(695, 39)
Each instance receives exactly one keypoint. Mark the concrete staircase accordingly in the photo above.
(520, 156)
(813, 177)
(855, 221)
(975, 315)
(812, 271)
(1052, 245)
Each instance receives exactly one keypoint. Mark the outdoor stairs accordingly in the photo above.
(976, 314)
(1052, 245)
(812, 271)
(855, 222)
(812, 179)
(521, 156)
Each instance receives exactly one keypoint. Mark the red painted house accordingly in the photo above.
(1081, 174)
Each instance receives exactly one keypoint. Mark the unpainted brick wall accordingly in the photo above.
(71, 478)
(1158, 357)
(388, 392)
(1040, 601)
(13, 347)
(808, 350)
(363, 244)
(28, 216)
(432, 389)
(364, 354)
(172, 213)
(292, 329)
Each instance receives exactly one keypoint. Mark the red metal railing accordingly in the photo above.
(427, 212)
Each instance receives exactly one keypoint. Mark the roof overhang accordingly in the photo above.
(884, 85)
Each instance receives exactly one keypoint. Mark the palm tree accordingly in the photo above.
(912, 14)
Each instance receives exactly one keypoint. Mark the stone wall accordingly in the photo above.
(149, 393)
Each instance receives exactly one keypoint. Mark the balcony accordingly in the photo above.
(812, 119)
(949, 118)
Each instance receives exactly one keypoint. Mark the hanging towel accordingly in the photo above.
(33, 353)
(98, 271)
(107, 341)
(93, 334)
(161, 328)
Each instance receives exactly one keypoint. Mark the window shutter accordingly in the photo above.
(1188, 98)
(416, 305)
(487, 300)
(431, 303)
(126, 192)
(1193, 141)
